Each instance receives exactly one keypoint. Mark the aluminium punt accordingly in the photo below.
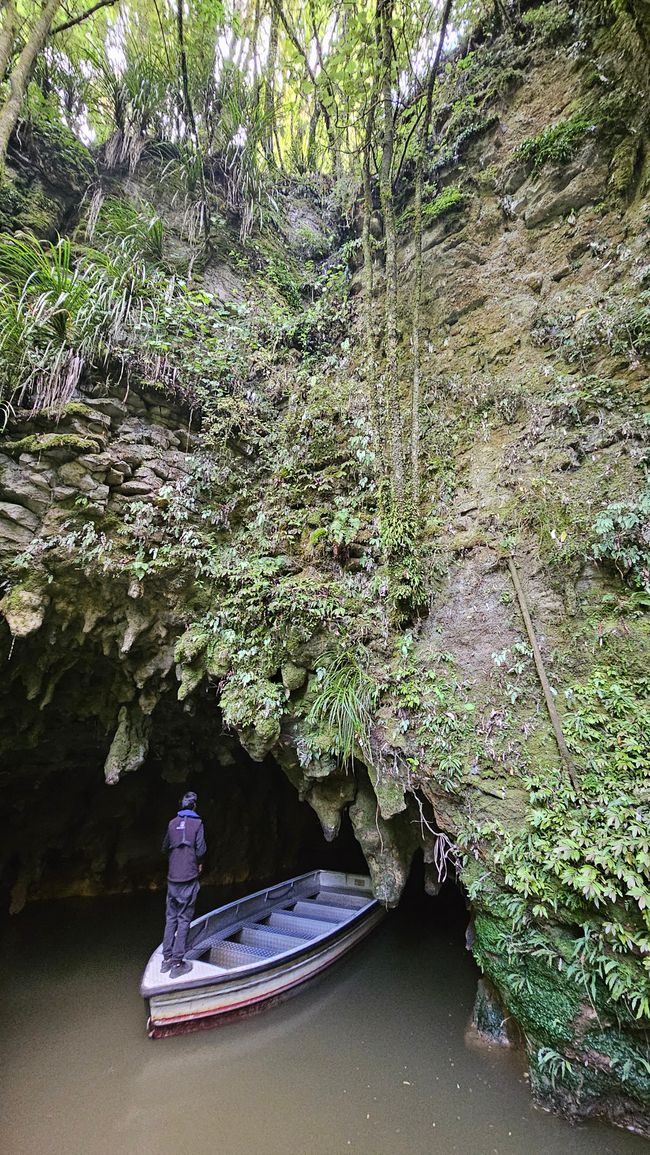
(259, 950)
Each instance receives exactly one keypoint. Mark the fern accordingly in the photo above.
(344, 701)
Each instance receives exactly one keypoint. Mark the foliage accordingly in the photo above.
(623, 533)
(586, 859)
(431, 717)
(249, 701)
(344, 699)
(69, 311)
(58, 319)
(338, 534)
(137, 226)
(555, 1065)
(449, 200)
(559, 518)
(619, 322)
(549, 22)
(556, 144)
(406, 590)
(467, 95)
(314, 311)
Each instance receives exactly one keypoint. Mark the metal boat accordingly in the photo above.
(259, 949)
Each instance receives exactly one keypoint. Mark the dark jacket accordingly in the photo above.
(184, 842)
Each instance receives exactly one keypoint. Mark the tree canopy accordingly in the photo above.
(271, 82)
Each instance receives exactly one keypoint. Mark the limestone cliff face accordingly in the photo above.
(174, 595)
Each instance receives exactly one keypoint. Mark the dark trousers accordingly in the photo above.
(179, 911)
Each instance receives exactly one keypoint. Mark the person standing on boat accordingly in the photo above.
(184, 843)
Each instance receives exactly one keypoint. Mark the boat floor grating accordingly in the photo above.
(338, 898)
(323, 911)
(310, 927)
(265, 937)
(237, 954)
(204, 944)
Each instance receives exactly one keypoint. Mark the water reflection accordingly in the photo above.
(371, 1060)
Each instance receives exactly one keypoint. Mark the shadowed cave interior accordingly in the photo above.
(68, 833)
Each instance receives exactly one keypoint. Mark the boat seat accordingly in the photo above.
(305, 927)
(237, 954)
(338, 898)
(324, 912)
(264, 937)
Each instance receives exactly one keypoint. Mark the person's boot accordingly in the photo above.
(180, 968)
(166, 965)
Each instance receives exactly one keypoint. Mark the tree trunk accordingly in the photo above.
(19, 77)
(269, 88)
(7, 31)
(392, 416)
(185, 80)
(422, 140)
(312, 159)
(372, 376)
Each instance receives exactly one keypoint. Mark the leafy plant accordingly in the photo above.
(59, 318)
(549, 22)
(449, 200)
(554, 1065)
(623, 533)
(137, 226)
(556, 144)
(586, 859)
(345, 696)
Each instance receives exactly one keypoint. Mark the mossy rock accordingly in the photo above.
(55, 152)
(26, 205)
(543, 1001)
(218, 661)
(68, 444)
(24, 610)
(259, 740)
(191, 676)
(293, 676)
(389, 793)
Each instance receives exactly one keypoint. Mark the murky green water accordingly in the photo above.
(372, 1061)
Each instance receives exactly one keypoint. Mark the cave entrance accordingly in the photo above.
(257, 829)
(71, 834)
(448, 909)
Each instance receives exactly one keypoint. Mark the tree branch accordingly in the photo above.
(84, 16)
(541, 673)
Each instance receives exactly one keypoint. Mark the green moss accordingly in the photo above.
(25, 206)
(629, 1060)
(388, 792)
(72, 409)
(556, 144)
(548, 23)
(623, 164)
(60, 155)
(449, 200)
(543, 1001)
(46, 442)
(24, 609)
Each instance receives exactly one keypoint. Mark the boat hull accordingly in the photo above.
(210, 996)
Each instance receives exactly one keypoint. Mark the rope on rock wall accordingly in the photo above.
(541, 672)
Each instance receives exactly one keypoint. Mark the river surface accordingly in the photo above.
(373, 1060)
